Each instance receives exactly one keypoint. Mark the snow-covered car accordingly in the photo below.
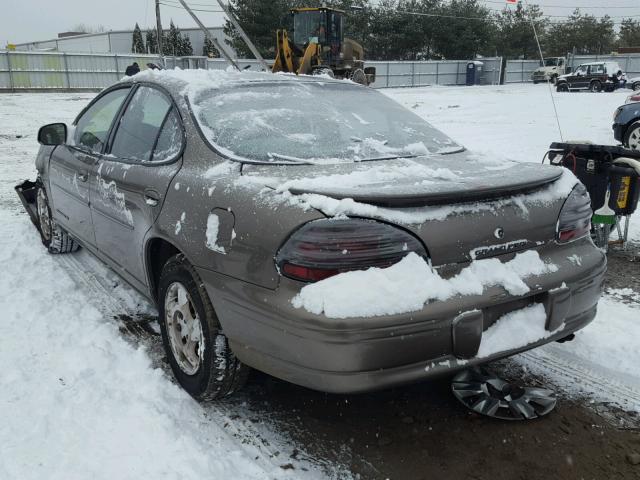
(313, 229)
(595, 77)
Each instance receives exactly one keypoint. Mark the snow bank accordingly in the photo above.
(411, 283)
(79, 402)
(515, 329)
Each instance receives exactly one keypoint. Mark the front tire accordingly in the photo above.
(632, 137)
(635, 86)
(562, 87)
(197, 349)
(54, 238)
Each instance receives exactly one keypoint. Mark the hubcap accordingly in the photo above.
(634, 139)
(184, 328)
(43, 214)
(489, 395)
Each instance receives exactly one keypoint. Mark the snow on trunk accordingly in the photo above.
(411, 283)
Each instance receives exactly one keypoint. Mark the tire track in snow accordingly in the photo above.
(90, 274)
(577, 375)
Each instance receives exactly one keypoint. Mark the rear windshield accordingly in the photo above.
(315, 122)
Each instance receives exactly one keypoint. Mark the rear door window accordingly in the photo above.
(140, 125)
(93, 126)
(170, 139)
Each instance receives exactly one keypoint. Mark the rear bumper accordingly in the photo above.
(361, 354)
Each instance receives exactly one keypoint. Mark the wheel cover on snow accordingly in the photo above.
(486, 394)
(183, 328)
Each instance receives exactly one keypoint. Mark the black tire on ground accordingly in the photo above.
(595, 86)
(54, 238)
(631, 138)
(562, 87)
(219, 372)
(358, 76)
(535, 82)
(635, 86)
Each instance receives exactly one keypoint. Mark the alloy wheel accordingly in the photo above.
(634, 138)
(43, 214)
(184, 329)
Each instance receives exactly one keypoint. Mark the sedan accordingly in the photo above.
(313, 229)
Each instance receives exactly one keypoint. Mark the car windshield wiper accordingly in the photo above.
(291, 160)
(388, 157)
(452, 151)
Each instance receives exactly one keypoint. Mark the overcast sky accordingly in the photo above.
(29, 20)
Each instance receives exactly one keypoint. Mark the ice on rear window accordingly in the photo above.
(302, 122)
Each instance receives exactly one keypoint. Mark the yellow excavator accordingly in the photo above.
(319, 47)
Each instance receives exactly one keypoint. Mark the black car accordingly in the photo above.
(595, 77)
(626, 123)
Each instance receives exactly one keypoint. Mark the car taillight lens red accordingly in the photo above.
(323, 248)
(574, 221)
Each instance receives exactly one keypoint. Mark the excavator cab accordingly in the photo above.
(318, 46)
(322, 26)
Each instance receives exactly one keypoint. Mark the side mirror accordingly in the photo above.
(53, 134)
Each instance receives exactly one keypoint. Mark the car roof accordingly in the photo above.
(180, 82)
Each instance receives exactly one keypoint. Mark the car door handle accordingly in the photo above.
(83, 176)
(151, 198)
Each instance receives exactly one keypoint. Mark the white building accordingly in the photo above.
(116, 41)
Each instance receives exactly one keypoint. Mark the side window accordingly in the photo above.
(170, 139)
(140, 125)
(93, 127)
(597, 69)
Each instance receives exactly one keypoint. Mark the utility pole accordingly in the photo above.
(244, 36)
(208, 35)
(159, 28)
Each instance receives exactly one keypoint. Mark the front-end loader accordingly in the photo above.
(318, 46)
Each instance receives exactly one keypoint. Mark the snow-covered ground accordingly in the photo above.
(78, 401)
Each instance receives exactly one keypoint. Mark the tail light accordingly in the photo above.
(323, 248)
(574, 221)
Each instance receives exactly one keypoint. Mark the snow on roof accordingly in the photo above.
(193, 81)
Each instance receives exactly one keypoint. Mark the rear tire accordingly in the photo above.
(595, 86)
(562, 87)
(632, 137)
(358, 76)
(54, 238)
(197, 349)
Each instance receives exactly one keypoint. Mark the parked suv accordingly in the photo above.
(595, 77)
(549, 70)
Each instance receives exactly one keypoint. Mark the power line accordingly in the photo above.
(587, 7)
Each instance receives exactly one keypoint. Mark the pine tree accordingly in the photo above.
(152, 41)
(259, 19)
(186, 49)
(172, 45)
(209, 49)
(137, 43)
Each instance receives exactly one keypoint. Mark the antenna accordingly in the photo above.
(553, 101)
